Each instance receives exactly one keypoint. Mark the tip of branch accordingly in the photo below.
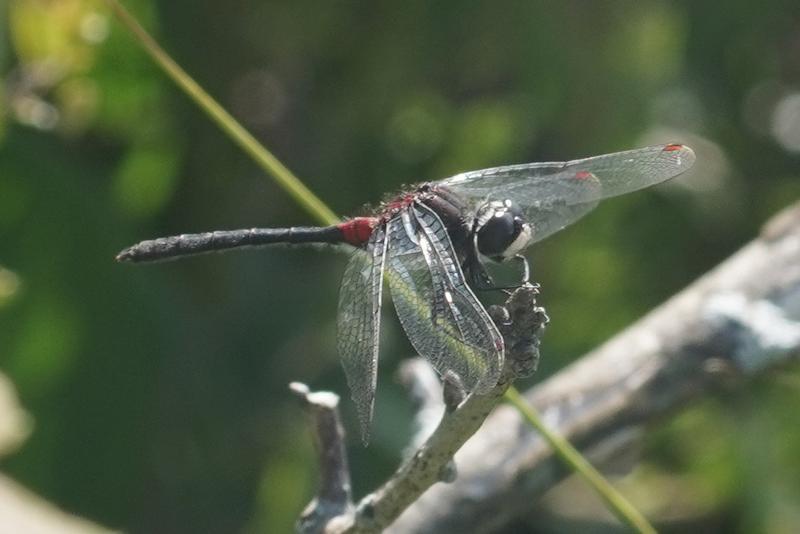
(322, 399)
(299, 389)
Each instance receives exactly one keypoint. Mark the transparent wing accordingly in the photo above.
(359, 324)
(553, 195)
(441, 316)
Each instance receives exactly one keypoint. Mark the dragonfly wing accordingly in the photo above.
(443, 319)
(554, 195)
(463, 316)
(359, 324)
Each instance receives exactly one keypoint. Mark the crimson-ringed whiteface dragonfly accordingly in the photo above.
(430, 243)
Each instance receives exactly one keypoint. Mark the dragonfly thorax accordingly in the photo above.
(501, 230)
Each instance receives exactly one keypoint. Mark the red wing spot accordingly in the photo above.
(583, 175)
(672, 148)
(357, 231)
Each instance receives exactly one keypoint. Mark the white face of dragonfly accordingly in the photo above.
(502, 231)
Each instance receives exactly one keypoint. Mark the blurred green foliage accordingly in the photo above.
(159, 393)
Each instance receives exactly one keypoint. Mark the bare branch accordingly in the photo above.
(334, 497)
(742, 318)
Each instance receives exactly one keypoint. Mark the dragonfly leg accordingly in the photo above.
(485, 282)
(481, 279)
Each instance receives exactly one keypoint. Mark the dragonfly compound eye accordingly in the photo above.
(501, 230)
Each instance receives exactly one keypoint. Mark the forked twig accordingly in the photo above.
(520, 321)
(334, 497)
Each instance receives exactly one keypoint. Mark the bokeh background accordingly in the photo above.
(158, 393)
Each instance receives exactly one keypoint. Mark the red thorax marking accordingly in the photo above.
(673, 147)
(583, 175)
(393, 206)
(357, 231)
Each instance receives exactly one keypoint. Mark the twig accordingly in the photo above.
(743, 317)
(334, 497)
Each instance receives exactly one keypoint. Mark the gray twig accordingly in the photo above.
(333, 501)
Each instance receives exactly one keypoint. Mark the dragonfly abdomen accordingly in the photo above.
(189, 244)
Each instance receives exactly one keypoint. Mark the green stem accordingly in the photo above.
(314, 206)
(263, 157)
(614, 500)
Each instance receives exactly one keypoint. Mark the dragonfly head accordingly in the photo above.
(501, 231)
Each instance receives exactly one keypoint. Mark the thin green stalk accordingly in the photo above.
(263, 157)
(614, 500)
(314, 206)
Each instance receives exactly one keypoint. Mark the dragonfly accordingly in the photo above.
(431, 244)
